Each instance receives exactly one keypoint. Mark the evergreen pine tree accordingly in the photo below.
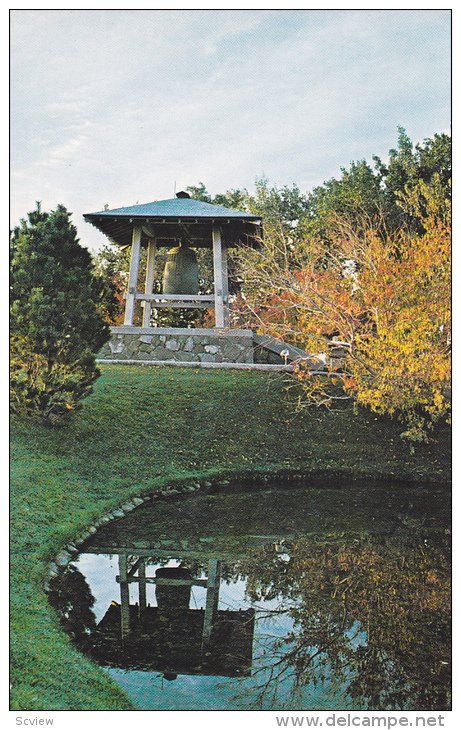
(56, 323)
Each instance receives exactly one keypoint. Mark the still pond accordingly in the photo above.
(300, 599)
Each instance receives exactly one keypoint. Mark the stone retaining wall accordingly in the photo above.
(178, 345)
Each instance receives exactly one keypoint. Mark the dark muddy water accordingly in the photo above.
(302, 599)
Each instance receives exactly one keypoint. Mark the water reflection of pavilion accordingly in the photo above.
(310, 648)
(171, 637)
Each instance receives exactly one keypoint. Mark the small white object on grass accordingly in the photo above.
(285, 354)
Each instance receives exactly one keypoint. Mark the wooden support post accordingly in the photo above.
(148, 289)
(142, 587)
(225, 288)
(220, 279)
(133, 277)
(124, 595)
(212, 598)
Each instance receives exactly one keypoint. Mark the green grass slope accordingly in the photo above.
(142, 428)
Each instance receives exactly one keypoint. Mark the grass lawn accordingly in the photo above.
(141, 429)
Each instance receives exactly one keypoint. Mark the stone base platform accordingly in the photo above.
(178, 345)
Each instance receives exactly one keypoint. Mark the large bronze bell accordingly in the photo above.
(172, 597)
(181, 271)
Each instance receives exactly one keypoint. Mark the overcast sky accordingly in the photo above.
(114, 106)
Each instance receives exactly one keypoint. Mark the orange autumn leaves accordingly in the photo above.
(386, 296)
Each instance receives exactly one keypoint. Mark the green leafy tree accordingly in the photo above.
(357, 195)
(408, 166)
(363, 192)
(284, 205)
(199, 192)
(373, 194)
(238, 199)
(56, 319)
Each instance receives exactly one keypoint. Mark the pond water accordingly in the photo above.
(301, 599)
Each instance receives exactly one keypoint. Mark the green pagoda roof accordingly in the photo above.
(174, 208)
(177, 219)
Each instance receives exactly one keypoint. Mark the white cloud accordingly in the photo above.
(114, 106)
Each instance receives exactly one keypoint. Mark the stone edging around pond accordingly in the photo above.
(67, 553)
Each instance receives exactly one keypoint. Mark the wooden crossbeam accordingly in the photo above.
(165, 581)
(175, 297)
(180, 305)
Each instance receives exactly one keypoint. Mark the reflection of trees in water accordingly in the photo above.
(373, 617)
(367, 619)
(71, 597)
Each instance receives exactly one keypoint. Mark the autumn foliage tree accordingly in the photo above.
(386, 296)
(111, 266)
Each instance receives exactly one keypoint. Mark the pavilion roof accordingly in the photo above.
(170, 217)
